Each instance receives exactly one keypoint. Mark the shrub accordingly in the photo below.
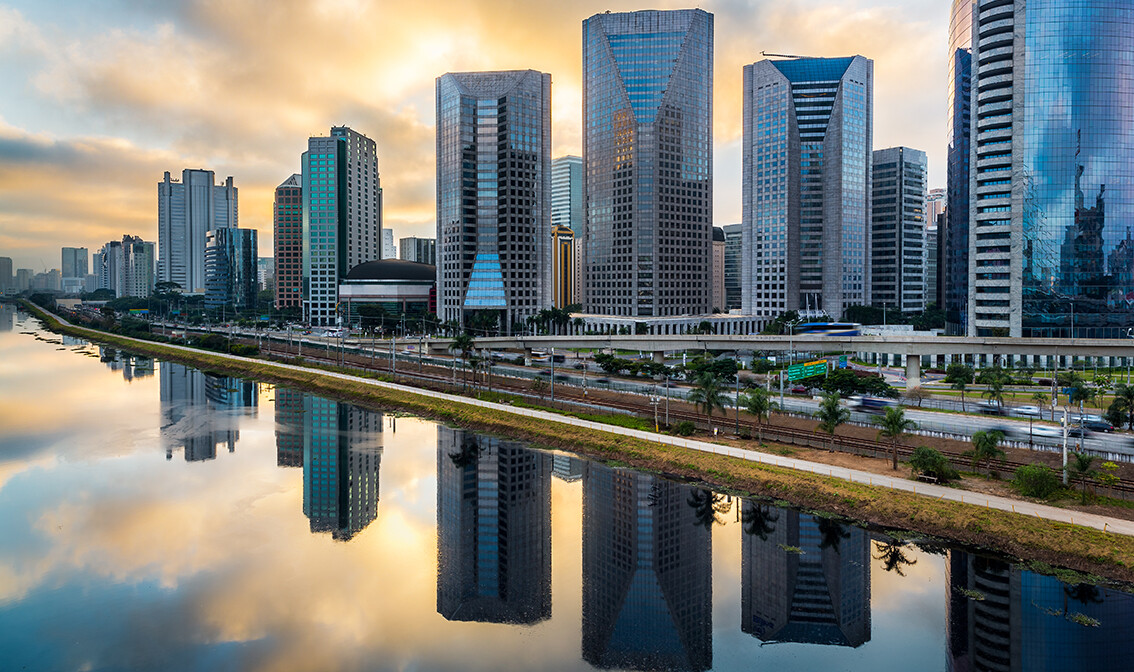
(931, 462)
(684, 428)
(1036, 480)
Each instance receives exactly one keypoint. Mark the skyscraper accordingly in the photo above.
(806, 185)
(342, 216)
(1053, 170)
(719, 269)
(186, 211)
(421, 250)
(388, 249)
(955, 235)
(648, 162)
(75, 260)
(230, 268)
(287, 221)
(493, 197)
(734, 236)
(567, 192)
(898, 229)
(126, 267)
(564, 290)
(934, 204)
(7, 281)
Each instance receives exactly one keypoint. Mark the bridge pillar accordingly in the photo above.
(659, 356)
(913, 371)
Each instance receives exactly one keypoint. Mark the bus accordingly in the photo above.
(829, 329)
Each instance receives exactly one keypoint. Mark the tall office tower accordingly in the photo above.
(718, 269)
(388, 249)
(897, 230)
(421, 250)
(189, 417)
(6, 280)
(287, 224)
(75, 262)
(806, 183)
(493, 529)
(932, 254)
(126, 267)
(734, 238)
(648, 163)
(266, 273)
(342, 456)
(493, 196)
(230, 268)
(567, 192)
(647, 572)
(564, 291)
(289, 427)
(23, 278)
(1052, 183)
(955, 235)
(186, 211)
(819, 596)
(934, 204)
(342, 216)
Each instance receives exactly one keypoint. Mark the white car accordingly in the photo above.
(1028, 411)
(1046, 431)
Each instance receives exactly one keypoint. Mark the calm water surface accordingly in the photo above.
(156, 517)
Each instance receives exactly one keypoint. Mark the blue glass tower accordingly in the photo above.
(955, 236)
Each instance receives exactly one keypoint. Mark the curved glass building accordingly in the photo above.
(1051, 208)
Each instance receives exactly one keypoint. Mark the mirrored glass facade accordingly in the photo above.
(955, 235)
(647, 162)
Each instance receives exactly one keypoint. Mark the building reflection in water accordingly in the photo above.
(289, 427)
(566, 468)
(647, 571)
(7, 316)
(342, 454)
(493, 529)
(131, 366)
(804, 578)
(199, 411)
(1004, 618)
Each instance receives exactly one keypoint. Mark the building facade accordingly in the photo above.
(342, 216)
(955, 235)
(648, 163)
(494, 221)
(567, 192)
(7, 280)
(231, 273)
(932, 262)
(287, 225)
(564, 290)
(126, 267)
(75, 262)
(186, 211)
(389, 250)
(806, 185)
(935, 202)
(421, 250)
(342, 460)
(389, 294)
(734, 239)
(898, 229)
(1052, 185)
(718, 270)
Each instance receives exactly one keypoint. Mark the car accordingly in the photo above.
(603, 381)
(1078, 432)
(1047, 431)
(1098, 425)
(798, 389)
(990, 408)
(1028, 411)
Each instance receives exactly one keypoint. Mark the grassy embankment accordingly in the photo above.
(1076, 547)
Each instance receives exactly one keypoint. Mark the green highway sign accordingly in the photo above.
(800, 371)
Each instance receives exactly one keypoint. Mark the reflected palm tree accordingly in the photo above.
(706, 505)
(893, 556)
(468, 455)
(758, 519)
(831, 532)
(1083, 593)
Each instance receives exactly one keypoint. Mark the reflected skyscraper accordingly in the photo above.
(820, 595)
(7, 316)
(566, 468)
(191, 419)
(342, 453)
(289, 427)
(647, 573)
(493, 529)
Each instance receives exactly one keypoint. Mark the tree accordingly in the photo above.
(894, 426)
(933, 463)
(463, 342)
(1041, 399)
(706, 505)
(994, 380)
(893, 556)
(831, 533)
(759, 403)
(986, 447)
(959, 376)
(758, 519)
(917, 394)
(708, 395)
(1081, 468)
(781, 325)
(1122, 408)
(831, 414)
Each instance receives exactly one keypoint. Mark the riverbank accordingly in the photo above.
(1075, 546)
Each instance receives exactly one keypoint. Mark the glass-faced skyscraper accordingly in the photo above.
(648, 162)
(955, 236)
(493, 197)
(808, 125)
(898, 230)
(187, 210)
(1051, 251)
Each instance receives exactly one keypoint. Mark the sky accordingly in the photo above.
(99, 99)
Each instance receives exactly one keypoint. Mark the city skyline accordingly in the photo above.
(83, 115)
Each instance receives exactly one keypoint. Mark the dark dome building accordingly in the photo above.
(375, 290)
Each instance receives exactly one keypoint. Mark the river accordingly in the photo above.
(153, 516)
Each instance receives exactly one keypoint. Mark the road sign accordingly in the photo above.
(800, 371)
(842, 361)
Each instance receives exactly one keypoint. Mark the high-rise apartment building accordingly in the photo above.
(564, 290)
(806, 185)
(389, 251)
(493, 197)
(126, 267)
(75, 260)
(932, 262)
(955, 235)
(567, 192)
(421, 250)
(7, 282)
(718, 269)
(23, 279)
(186, 211)
(231, 277)
(287, 225)
(342, 216)
(648, 163)
(934, 204)
(898, 229)
(734, 238)
(1052, 180)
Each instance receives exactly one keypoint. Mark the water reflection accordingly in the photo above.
(493, 529)
(199, 411)
(342, 454)
(647, 572)
(7, 316)
(804, 578)
(131, 366)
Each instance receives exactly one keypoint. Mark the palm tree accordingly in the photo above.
(986, 446)
(706, 505)
(708, 395)
(1040, 399)
(1081, 469)
(1123, 404)
(893, 556)
(468, 454)
(463, 342)
(894, 426)
(959, 376)
(831, 414)
(831, 533)
(758, 519)
(759, 403)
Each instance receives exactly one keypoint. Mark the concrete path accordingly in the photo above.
(853, 475)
